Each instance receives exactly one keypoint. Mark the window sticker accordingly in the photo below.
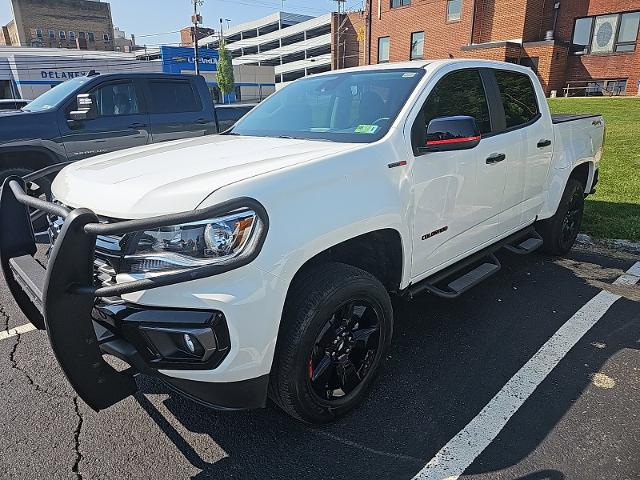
(409, 75)
(370, 129)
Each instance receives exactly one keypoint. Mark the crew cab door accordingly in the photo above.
(121, 121)
(527, 135)
(176, 110)
(457, 194)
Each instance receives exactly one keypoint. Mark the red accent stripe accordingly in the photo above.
(453, 140)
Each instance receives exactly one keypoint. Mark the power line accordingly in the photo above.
(157, 34)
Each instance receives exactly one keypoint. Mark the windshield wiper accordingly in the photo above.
(289, 137)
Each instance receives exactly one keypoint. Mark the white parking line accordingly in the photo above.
(16, 331)
(460, 452)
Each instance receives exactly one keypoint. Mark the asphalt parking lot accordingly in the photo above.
(445, 387)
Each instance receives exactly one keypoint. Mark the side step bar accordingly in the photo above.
(528, 246)
(463, 283)
(476, 268)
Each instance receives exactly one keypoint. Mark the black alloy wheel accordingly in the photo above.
(345, 349)
(560, 231)
(572, 220)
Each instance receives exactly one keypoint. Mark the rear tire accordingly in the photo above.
(336, 325)
(560, 231)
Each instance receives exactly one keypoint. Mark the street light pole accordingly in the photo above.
(339, 4)
(196, 19)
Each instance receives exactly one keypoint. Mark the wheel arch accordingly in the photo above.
(30, 157)
(379, 252)
(584, 172)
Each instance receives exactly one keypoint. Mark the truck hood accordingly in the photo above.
(177, 176)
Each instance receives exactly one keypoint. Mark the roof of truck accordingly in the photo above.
(426, 63)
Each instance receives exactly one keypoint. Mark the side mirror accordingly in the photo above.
(86, 109)
(451, 133)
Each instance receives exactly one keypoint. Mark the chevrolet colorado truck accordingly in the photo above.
(261, 262)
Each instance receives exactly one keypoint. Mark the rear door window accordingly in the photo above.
(518, 97)
(173, 96)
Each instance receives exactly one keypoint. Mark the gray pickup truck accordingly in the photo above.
(96, 114)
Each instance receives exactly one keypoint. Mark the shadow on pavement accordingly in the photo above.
(447, 360)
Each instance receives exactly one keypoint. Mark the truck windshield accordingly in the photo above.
(56, 95)
(356, 107)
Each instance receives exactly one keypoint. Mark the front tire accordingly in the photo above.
(336, 325)
(560, 231)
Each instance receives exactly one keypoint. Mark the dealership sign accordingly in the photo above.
(64, 75)
(178, 59)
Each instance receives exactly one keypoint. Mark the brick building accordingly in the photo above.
(586, 45)
(82, 24)
(186, 35)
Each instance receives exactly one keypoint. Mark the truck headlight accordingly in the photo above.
(193, 244)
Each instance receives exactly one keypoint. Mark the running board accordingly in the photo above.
(483, 264)
(461, 284)
(528, 246)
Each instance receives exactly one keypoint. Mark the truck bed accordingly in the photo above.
(565, 117)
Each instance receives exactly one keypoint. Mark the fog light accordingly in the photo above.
(188, 342)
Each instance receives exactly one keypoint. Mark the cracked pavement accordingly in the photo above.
(447, 361)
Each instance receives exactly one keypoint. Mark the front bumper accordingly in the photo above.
(64, 300)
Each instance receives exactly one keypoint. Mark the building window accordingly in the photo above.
(39, 33)
(599, 88)
(384, 44)
(62, 34)
(72, 36)
(628, 32)
(106, 37)
(52, 34)
(582, 35)
(81, 35)
(417, 45)
(606, 33)
(400, 3)
(91, 37)
(454, 10)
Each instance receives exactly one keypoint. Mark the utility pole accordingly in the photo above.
(339, 5)
(196, 19)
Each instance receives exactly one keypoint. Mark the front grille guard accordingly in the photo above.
(60, 299)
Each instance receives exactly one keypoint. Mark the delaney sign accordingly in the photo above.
(64, 75)
(178, 59)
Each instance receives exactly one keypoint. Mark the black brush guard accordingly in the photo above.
(60, 297)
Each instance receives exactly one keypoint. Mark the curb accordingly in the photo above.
(616, 244)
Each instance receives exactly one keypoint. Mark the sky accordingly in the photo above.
(148, 18)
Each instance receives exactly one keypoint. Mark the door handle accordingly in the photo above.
(137, 125)
(496, 158)
(544, 143)
(202, 121)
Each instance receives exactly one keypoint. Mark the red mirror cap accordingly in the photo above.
(453, 140)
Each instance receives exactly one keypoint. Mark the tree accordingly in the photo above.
(226, 82)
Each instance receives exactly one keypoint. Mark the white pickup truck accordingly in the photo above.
(261, 262)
